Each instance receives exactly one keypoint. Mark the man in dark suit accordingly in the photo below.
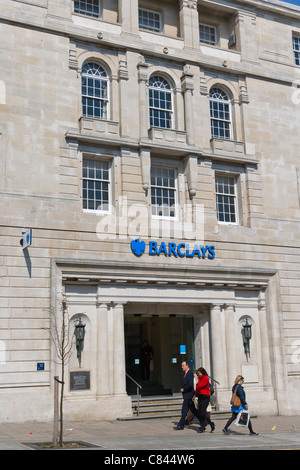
(187, 390)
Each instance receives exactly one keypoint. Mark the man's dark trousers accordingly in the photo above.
(187, 394)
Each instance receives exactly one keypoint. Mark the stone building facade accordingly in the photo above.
(152, 149)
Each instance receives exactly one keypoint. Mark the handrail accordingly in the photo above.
(138, 386)
(133, 380)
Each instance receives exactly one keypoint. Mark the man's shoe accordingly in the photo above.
(179, 428)
(253, 433)
(201, 430)
(225, 431)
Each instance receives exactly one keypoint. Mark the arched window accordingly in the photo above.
(220, 115)
(94, 89)
(160, 102)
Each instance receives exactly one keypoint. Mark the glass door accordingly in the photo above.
(171, 341)
(182, 348)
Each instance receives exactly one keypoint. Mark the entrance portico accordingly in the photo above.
(217, 303)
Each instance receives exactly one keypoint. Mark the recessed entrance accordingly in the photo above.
(199, 309)
(171, 338)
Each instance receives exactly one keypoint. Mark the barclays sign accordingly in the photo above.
(180, 250)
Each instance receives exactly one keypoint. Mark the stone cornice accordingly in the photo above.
(272, 6)
(133, 43)
(163, 148)
(143, 271)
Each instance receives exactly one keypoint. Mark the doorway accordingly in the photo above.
(171, 338)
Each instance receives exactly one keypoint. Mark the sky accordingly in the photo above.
(294, 2)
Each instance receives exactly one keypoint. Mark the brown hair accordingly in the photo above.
(203, 371)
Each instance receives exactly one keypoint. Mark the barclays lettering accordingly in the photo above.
(180, 250)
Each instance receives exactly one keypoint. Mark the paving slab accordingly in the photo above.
(275, 432)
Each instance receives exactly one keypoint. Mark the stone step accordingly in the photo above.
(175, 414)
(161, 407)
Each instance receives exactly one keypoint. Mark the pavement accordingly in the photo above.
(275, 432)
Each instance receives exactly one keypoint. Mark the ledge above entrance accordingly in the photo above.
(125, 282)
(114, 273)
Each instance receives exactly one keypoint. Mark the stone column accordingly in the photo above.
(191, 172)
(187, 83)
(145, 159)
(203, 358)
(119, 378)
(123, 78)
(128, 16)
(264, 339)
(189, 22)
(217, 336)
(246, 29)
(143, 111)
(232, 350)
(103, 380)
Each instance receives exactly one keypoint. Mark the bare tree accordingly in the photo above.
(63, 342)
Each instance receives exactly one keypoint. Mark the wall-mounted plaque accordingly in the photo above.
(80, 380)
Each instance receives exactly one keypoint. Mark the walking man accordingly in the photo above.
(187, 390)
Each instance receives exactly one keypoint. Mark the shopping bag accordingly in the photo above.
(243, 418)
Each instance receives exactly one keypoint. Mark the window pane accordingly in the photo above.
(87, 7)
(207, 34)
(225, 198)
(160, 102)
(220, 114)
(95, 185)
(296, 49)
(149, 20)
(163, 191)
(94, 86)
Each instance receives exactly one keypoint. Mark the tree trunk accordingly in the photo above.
(61, 407)
(55, 424)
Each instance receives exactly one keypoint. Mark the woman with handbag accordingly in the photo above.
(202, 392)
(238, 403)
(193, 411)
